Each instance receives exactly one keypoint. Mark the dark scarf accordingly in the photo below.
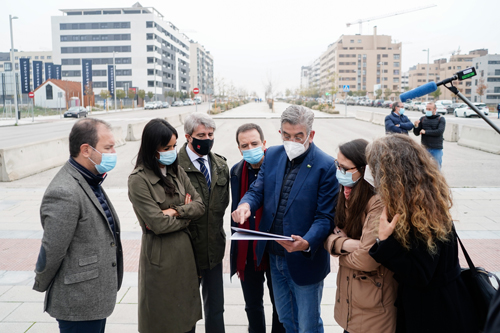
(243, 245)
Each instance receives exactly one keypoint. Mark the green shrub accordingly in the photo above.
(310, 104)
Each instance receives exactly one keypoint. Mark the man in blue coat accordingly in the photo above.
(298, 190)
(397, 122)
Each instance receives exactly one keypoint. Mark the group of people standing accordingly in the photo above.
(382, 208)
(430, 127)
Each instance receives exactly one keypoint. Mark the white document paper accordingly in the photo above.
(245, 234)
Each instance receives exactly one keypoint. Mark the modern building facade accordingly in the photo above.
(201, 69)
(149, 52)
(360, 61)
(488, 74)
(305, 73)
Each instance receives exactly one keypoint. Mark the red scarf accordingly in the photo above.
(243, 245)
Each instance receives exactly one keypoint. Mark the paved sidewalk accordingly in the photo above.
(476, 212)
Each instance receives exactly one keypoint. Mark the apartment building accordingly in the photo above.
(201, 69)
(360, 61)
(417, 75)
(488, 74)
(149, 52)
(305, 72)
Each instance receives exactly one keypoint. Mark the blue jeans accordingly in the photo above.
(437, 154)
(298, 306)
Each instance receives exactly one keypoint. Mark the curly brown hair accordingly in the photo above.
(410, 184)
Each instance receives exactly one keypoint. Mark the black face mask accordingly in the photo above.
(202, 147)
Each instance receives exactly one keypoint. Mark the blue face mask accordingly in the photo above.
(428, 113)
(108, 162)
(402, 111)
(167, 157)
(346, 180)
(253, 156)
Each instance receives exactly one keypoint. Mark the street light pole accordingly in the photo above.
(13, 66)
(381, 63)
(427, 80)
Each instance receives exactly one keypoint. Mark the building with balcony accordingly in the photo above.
(201, 69)
(488, 74)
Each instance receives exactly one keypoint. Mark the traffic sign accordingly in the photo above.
(31, 95)
(346, 87)
(196, 91)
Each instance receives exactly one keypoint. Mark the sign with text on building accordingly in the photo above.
(37, 74)
(49, 71)
(111, 80)
(57, 72)
(86, 75)
(24, 65)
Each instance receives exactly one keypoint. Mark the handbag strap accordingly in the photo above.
(466, 255)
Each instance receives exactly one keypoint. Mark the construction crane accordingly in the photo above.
(360, 22)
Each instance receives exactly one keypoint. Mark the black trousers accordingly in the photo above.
(212, 292)
(253, 292)
(91, 326)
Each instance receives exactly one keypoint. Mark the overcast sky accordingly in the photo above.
(253, 40)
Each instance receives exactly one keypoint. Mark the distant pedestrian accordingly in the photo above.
(498, 110)
(431, 127)
(251, 143)
(416, 239)
(80, 264)
(366, 290)
(397, 122)
(165, 202)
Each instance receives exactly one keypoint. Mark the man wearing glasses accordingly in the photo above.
(397, 122)
(298, 191)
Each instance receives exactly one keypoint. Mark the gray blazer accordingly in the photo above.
(80, 265)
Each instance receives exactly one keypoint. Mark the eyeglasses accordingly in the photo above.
(341, 169)
(296, 139)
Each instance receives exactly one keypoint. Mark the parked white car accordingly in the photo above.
(442, 106)
(421, 107)
(466, 111)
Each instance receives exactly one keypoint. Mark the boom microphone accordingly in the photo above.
(418, 92)
(432, 86)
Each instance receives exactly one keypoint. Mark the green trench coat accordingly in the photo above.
(169, 297)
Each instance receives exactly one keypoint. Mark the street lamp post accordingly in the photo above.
(114, 78)
(13, 65)
(427, 80)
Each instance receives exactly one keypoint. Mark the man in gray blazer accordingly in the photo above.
(80, 264)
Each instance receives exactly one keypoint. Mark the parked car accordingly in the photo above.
(387, 104)
(421, 107)
(76, 112)
(452, 107)
(165, 105)
(442, 106)
(178, 103)
(159, 104)
(414, 105)
(378, 103)
(466, 111)
(149, 105)
(186, 102)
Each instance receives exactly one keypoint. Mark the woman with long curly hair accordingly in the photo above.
(416, 239)
(366, 290)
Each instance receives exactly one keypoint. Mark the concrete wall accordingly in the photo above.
(481, 138)
(379, 118)
(364, 115)
(134, 131)
(451, 132)
(23, 161)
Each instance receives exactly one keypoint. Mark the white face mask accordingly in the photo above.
(294, 149)
(368, 176)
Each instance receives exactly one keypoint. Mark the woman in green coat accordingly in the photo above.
(165, 202)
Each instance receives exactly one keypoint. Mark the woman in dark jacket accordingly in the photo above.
(165, 202)
(416, 239)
